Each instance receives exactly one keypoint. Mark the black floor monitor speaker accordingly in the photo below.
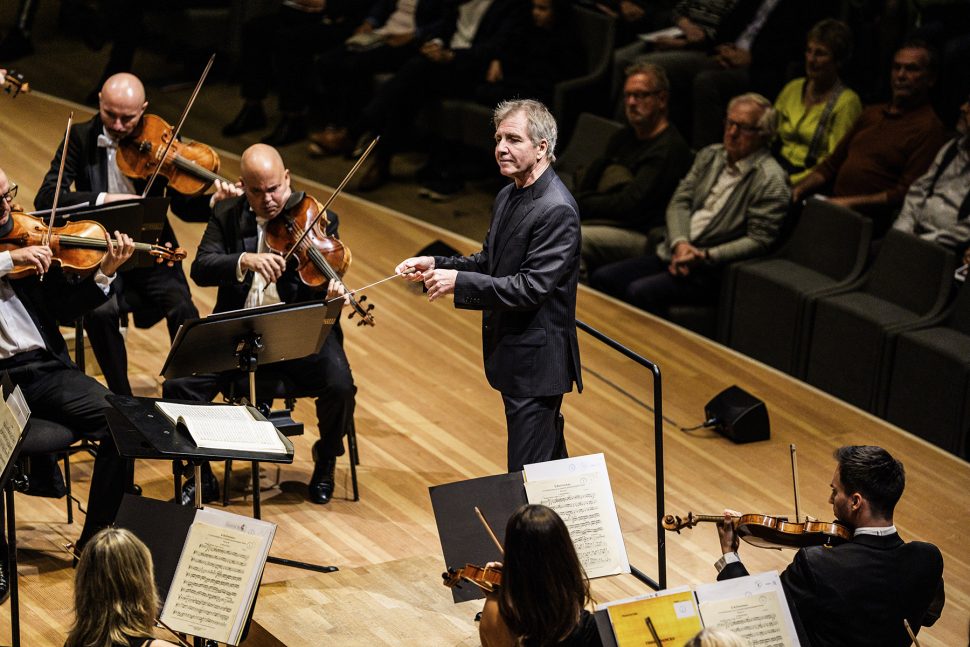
(738, 415)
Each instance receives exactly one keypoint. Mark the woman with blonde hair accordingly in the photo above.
(115, 601)
(717, 638)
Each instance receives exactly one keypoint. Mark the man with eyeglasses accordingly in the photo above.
(729, 207)
(34, 356)
(890, 145)
(622, 195)
(92, 170)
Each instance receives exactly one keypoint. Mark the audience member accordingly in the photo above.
(729, 207)
(816, 111)
(937, 205)
(857, 593)
(635, 17)
(115, 600)
(389, 36)
(452, 63)
(623, 194)
(544, 588)
(276, 49)
(888, 148)
(717, 638)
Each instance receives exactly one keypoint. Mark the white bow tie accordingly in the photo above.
(106, 142)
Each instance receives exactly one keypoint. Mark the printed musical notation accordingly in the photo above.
(752, 606)
(578, 489)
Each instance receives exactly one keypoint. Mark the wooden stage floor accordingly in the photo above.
(425, 416)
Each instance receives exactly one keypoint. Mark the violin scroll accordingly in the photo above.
(487, 578)
(166, 254)
(674, 523)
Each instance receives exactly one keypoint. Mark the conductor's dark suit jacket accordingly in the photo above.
(524, 280)
(857, 594)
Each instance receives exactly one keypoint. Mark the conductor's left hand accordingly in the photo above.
(440, 282)
(120, 249)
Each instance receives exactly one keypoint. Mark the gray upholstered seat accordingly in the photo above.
(853, 332)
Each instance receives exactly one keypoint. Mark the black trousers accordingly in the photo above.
(535, 430)
(646, 283)
(65, 395)
(325, 376)
(149, 293)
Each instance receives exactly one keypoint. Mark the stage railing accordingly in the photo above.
(658, 440)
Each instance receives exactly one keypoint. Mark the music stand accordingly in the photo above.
(240, 340)
(8, 483)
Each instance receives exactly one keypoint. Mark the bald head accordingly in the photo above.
(121, 103)
(266, 180)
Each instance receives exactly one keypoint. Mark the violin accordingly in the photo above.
(766, 531)
(13, 83)
(486, 578)
(321, 258)
(78, 247)
(190, 168)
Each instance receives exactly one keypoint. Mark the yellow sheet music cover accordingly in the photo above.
(673, 615)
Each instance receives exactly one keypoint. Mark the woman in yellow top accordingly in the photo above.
(816, 111)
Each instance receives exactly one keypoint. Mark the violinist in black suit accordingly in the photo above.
(524, 281)
(233, 256)
(92, 170)
(859, 592)
(34, 355)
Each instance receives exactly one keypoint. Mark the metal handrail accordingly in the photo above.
(658, 451)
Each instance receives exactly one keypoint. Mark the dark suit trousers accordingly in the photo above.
(535, 430)
(152, 292)
(646, 283)
(325, 376)
(71, 398)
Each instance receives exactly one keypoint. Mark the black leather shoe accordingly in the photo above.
(288, 131)
(44, 477)
(4, 576)
(210, 489)
(322, 482)
(250, 118)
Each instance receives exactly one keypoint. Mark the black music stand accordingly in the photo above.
(9, 481)
(240, 340)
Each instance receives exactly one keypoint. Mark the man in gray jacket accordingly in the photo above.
(729, 207)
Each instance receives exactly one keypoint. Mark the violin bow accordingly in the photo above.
(178, 128)
(60, 179)
(794, 478)
(909, 630)
(333, 196)
(488, 529)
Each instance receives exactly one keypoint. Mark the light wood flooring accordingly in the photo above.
(425, 416)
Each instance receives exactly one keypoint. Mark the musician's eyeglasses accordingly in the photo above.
(745, 128)
(10, 194)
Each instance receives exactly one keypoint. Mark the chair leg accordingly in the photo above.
(226, 480)
(354, 461)
(67, 487)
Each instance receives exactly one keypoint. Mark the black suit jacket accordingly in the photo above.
(503, 23)
(230, 232)
(524, 280)
(56, 299)
(86, 169)
(857, 594)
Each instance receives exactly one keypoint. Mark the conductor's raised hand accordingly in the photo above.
(440, 282)
(413, 268)
(120, 249)
(269, 266)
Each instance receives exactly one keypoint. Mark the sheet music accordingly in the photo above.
(13, 418)
(217, 575)
(224, 427)
(672, 613)
(578, 489)
(754, 607)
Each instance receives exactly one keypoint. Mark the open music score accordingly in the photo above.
(217, 576)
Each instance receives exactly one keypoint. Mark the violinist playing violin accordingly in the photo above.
(235, 257)
(34, 355)
(91, 174)
(857, 593)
